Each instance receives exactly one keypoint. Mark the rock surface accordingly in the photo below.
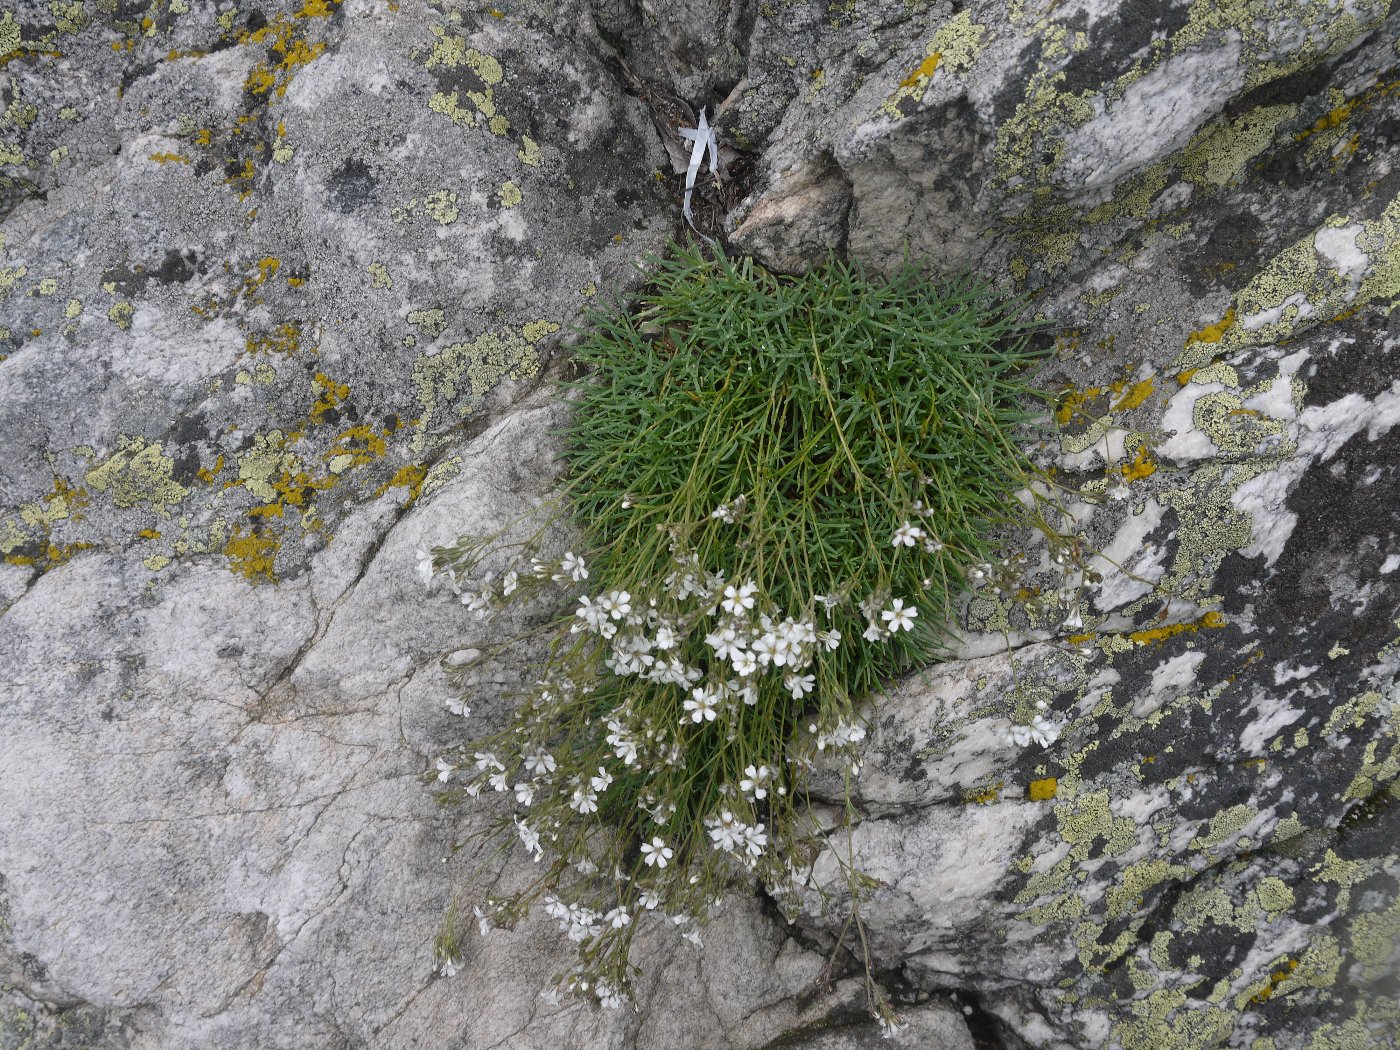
(278, 286)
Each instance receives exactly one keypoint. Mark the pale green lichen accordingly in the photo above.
(470, 370)
(442, 206)
(430, 322)
(138, 472)
(268, 459)
(379, 276)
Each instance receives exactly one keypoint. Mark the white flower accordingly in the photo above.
(540, 763)
(932, 546)
(907, 535)
(754, 784)
(745, 663)
(665, 637)
(693, 936)
(487, 758)
(610, 998)
(1043, 731)
(800, 685)
(616, 603)
(620, 740)
(617, 918)
(524, 793)
(445, 770)
(572, 566)
(656, 852)
(649, 899)
(584, 800)
(874, 633)
(509, 583)
(766, 649)
(592, 613)
(831, 639)
(425, 568)
(701, 706)
(530, 838)
(725, 642)
(450, 966)
(843, 733)
(755, 838)
(898, 617)
(725, 831)
(498, 781)
(483, 920)
(601, 781)
(891, 1027)
(738, 599)
(458, 707)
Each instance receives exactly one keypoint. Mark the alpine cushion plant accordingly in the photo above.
(784, 487)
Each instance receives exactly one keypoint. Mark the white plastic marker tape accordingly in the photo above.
(703, 138)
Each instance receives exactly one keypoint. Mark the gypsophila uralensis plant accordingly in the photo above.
(784, 488)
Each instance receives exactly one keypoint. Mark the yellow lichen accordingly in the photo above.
(252, 554)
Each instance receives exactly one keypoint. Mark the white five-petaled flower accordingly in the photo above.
(799, 685)
(617, 918)
(450, 966)
(616, 603)
(445, 770)
(907, 535)
(584, 800)
(765, 649)
(524, 793)
(483, 920)
(657, 852)
(898, 617)
(508, 584)
(530, 838)
(458, 706)
(755, 782)
(739, 599)
(540, 763)
(831, 639)
(600, 782)
(745, 663)
(649, 899)
(572, 566)
(701, 706)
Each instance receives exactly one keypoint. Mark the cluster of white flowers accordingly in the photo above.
(843, 734)
(487, 596)
(729, 833)
(882, 621)
(910, 535)
(1041, 731)
(731, 512)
